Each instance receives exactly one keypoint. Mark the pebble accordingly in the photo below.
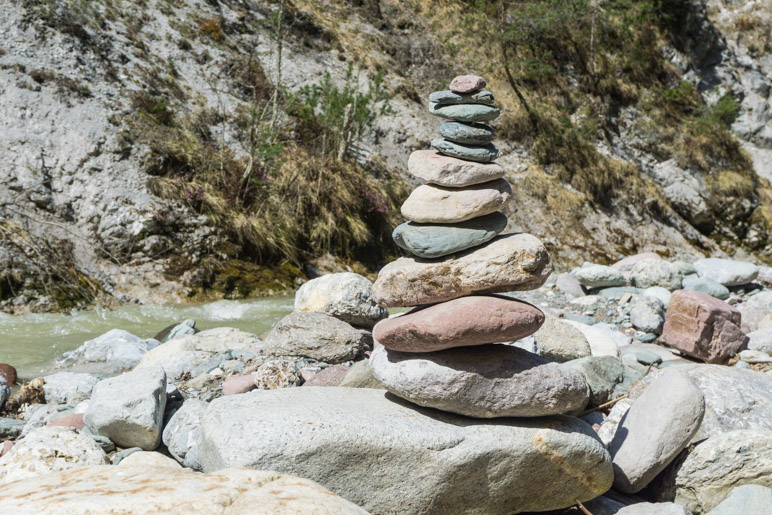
(437, 240)
(480, 153)
(484, 381)
(726, 271)
(465, 84)
(473, 320)
(468, 113)
(467, 134)
(659, 292)
(447, 97)
(436, 168)
(599, 276)
(703, 326)
(437, 204)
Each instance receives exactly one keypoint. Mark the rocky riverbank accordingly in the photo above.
(675, 406)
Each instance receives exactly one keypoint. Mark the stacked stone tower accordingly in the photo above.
(447, 353)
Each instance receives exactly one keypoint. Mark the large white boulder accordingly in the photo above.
(346, 296)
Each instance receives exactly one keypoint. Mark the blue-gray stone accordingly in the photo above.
(10, 427)
(706, 285)
(481, 154)
(467, 134)
(437, 240)
(616, 292)
(465, 112)
(582, 319)
(447, 97)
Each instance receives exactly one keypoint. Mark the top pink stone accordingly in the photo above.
(467, 84)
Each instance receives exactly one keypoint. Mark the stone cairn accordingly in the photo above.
(445, 353)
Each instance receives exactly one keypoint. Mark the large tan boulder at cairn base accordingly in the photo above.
(146, 490)
(703, 327)
(511, 262)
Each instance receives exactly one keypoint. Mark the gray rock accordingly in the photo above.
(483, 381)
(113, 352)
(435, 168)
(335, 435)
(620, 339)
(560, 341)
(182, 431)
(746, 500)
(599, 276)
(68, 387)
(467, 134)
(655, 272)
(657, 427)
(603, 505)
(706, 285)
(129, 409)
(756, 308)
(437, 240)
(734, 398)
(37, 415)
(659, 292)
(48, 449)
(607, 376)
(184, 328)
(481, 153)
(761, 340)
(755, 356)
(654, 508)
(618, 292)
(317, 336)
(727, 271)
(719, 465)
(647, 314)
(570, 285)
(447, 97)
(10, 428)
(683, 190)
(465, 112)
(186, 353)
(5, 392)
(346, 296)
(643, 354)
(360, 375)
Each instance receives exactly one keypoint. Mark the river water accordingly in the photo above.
(31, 342)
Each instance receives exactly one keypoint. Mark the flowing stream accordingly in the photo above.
(31, 342)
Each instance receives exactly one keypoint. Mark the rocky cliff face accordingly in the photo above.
(77, 202)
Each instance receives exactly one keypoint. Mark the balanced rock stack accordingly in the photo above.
(447, 353)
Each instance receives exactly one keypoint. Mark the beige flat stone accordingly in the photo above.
(511, 262)
(451, 172)
(436, 204)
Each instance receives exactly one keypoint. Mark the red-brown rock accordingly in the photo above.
(8, 373)
(474, 320)
(72, 420)
(330, 376)
(467, 84)
(238, 384)
(5, 447)
(703, 326)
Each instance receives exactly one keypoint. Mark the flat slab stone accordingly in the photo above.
(510, 262)
(442, 170)
(467, 133)
(484, 153)
(146, 489)
(703, 326)
(474, 320)
(447, 97)
(389, 456)
(437, 204)
(485, 381)
(467, 84)
(437, 240)
(465, 112)
(727, 271)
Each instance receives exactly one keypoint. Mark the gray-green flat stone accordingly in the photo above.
(465, 112)
(436, 240)
(467, 134)
(479, 153)
(447, 97)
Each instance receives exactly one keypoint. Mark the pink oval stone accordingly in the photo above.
(475, 320)
(238, 384)
(330, 376)
(467, 84)
(73, 420)
(8, 373)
